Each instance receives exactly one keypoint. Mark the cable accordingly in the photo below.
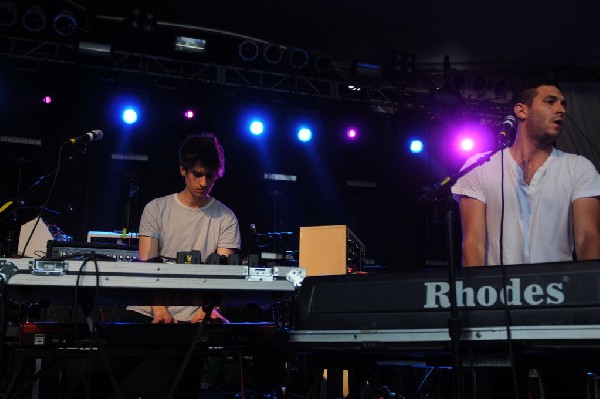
(208, 308)
(504, 289)
(43, 207)
(91, 325)
(423, 381)
(241, 365)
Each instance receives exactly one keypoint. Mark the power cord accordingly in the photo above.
(43, 207)
(504, 290)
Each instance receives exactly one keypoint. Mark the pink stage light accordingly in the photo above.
(189, 114)
(47, 100)
(467, 144)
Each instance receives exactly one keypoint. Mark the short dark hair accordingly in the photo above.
(528, 90)
(203, 148)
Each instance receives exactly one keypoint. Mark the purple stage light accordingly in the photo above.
(47, 100)
(473, 138)
(467, 144)
(189, 114)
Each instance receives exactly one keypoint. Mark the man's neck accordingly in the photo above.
(529, 156)
(529, 151)
(188, 200)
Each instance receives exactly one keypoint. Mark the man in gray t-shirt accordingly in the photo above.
(189, 220)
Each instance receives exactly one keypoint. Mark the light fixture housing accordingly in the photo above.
(92, 48)
(34, 19)
(8, 14)
(190, 44)
(65, 23)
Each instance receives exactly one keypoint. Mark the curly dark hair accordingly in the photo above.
(203, 148)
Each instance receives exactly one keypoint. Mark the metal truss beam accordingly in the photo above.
(164, 69)
(168, 71)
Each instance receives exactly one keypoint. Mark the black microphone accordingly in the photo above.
(508, 126)
(94, 135)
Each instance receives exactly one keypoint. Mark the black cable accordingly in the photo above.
(94, 340)
(43, 207)
(504, 289)
(422, 384)
(208, 308)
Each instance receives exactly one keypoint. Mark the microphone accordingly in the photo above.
(94, 135)
(256, 245)
(508, 126)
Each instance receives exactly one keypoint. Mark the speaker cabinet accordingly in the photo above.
(326, 250)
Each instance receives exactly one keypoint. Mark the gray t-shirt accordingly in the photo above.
(178, 227)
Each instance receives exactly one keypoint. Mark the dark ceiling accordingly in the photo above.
(473, 33)
(507, 41)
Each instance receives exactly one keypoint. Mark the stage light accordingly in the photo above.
(458, 82)
(149, 22)
(479, 83)
(500, 87)
(34, 19)
(416, 146)
(190, 45)
(402, 67)
(139, 19)
(129, 116)
(323, 64)
(304, 134)
(273, 54)
(256, 128)
(367, 70)
(94, 48)
(189, 114)
(352, 133)
(65, 23)
(248, 50)
(467, 144)
(8, 14)
(298, 58)
(472, 137)
(47, 100)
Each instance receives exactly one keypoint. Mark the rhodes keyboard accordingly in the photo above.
(551, 302)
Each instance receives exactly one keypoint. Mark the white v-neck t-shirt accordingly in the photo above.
(538, 225)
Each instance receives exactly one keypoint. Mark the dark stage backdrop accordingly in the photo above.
(93, 191)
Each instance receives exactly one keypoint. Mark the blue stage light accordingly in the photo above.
(416, 146)
(304, 134)
(256, 128)
(130, 116)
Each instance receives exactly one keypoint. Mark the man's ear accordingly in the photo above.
(182, 171)
(520, 110)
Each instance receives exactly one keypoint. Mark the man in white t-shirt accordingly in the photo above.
(550, 198)
(189, 220)
(532, 203)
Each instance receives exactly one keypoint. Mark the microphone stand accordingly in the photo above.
(133, 190)
(17, 202)
(10, 207)
(440, 193)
